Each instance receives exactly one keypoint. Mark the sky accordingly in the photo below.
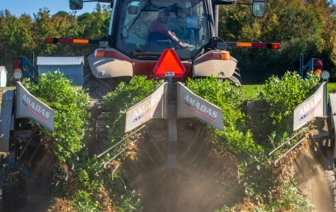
(18, 7)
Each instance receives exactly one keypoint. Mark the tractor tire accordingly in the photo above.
(236, 78)
(237, 75)
(14, 190)
(98, 88)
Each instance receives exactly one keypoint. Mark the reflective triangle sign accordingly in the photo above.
(169, 62)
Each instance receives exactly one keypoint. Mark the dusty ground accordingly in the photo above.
(312, 179)
(193, 184)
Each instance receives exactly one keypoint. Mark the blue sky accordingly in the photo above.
(18, 7)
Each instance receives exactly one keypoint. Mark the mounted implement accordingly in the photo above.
(139, 34)
(140, 31)
(174, 144)
(314, 170)
(23, 145)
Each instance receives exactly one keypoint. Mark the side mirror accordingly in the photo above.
(192, 22)
(133, 10)
(76, 4)
(222, 2)
(259, 8)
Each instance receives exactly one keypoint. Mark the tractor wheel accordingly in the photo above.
(98, 88)
(236, 74)
(14, 190)
(236, 78)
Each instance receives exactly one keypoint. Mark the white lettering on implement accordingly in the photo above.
(310, 107)
(199, 108)
(146, 108)
(35, 108)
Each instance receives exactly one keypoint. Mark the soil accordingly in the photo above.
(39, 195)
(193, 183)
(197, 180)
(38, 200)
(311, 179)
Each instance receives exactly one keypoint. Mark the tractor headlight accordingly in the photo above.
(325, 75)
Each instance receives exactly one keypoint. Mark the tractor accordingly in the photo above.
(131, 49)
(172, 146)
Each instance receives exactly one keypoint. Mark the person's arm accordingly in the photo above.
(165, 31)
(174, 38)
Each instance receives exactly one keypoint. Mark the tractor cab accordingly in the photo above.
(138, 30)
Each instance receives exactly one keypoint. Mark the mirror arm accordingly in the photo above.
(244, 3)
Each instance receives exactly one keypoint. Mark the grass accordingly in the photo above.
(251, 91)
(331, 87)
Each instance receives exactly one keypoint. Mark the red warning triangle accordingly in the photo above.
(169, 62)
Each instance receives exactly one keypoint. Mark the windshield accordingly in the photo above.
(143, 27)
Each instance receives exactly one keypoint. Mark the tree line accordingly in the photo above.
(306, 27)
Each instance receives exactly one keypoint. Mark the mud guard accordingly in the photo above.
(110, 67)
(222, 69)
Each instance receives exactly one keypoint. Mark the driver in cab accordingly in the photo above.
(158, 26)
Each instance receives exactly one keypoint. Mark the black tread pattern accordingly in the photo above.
(98, 88)
(14, 191)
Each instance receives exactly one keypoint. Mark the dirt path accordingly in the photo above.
(37, 201)
(312, 180)
(195, 183)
